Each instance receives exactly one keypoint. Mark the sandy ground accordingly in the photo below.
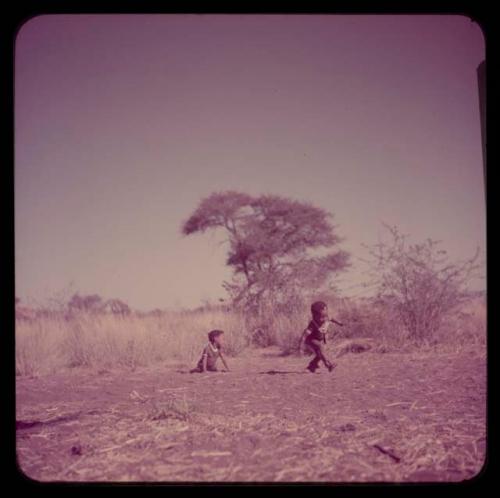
(376, 418)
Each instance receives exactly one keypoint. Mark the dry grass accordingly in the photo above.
(54, 341)
(378, 418)
(107, 398)
(49, 344)
(463, 329)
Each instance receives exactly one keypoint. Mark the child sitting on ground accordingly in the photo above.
(314, 336)
(211, 353)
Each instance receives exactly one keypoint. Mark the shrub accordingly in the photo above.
(418, 282)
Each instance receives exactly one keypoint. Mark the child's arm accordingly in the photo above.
(204, 360)
(223, 360)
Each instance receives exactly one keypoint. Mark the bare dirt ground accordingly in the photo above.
(376, 418)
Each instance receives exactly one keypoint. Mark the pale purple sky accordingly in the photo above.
(123, 123)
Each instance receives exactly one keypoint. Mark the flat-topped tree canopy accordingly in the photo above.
(276, 245)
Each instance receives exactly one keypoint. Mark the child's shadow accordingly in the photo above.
(281, 372)
(196, 372)
(268, 372)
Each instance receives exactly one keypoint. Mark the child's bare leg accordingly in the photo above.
(320, 356)
(198, 368)
(313, 364)
(324, 359)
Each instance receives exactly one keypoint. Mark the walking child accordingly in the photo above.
(211, 353)
(314, 336)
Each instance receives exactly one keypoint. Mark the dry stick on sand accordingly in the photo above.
(27, 424)
(387, 452)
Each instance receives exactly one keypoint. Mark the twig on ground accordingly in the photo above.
(387, 452)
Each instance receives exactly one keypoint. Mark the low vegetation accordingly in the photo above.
(47, 342)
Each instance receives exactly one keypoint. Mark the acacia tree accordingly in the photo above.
(91, 303)
(418, 281)
(94, 303)
(274, 244)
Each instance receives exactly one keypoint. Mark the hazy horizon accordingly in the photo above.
(124, 123)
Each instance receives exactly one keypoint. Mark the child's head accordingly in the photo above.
(319, 311)
(215, 336)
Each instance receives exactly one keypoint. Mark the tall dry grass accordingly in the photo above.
(52, 342)
(463, 328)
